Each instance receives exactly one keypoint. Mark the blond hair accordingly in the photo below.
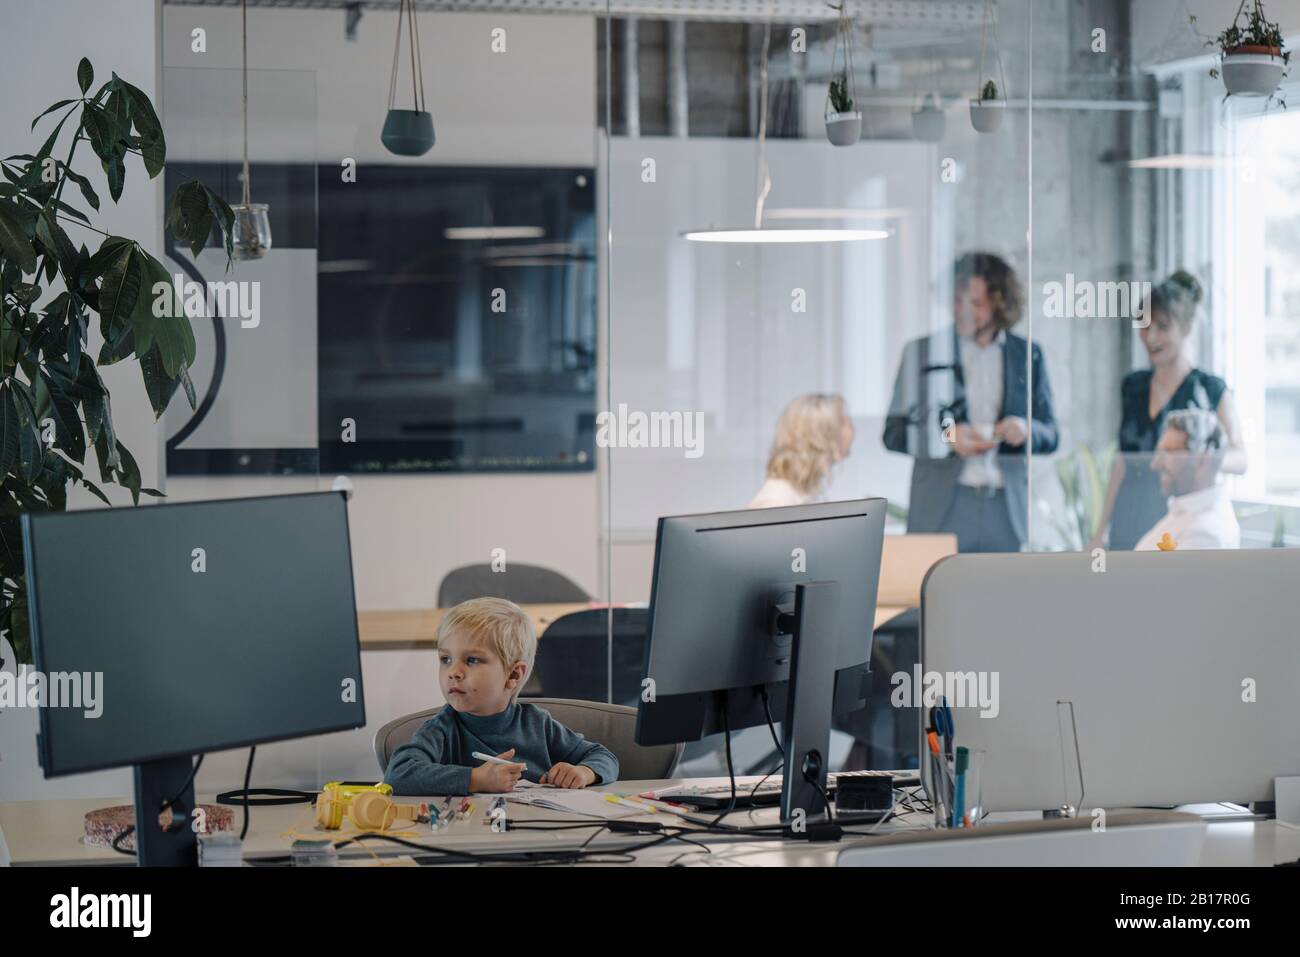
(499, 624)
(807, 441)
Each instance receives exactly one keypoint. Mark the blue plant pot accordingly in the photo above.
(408, 132)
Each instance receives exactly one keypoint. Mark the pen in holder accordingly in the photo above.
(959, 787)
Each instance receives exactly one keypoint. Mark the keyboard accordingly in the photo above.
(709, 797)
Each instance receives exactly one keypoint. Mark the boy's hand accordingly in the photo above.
(570, 776)
(493, 778)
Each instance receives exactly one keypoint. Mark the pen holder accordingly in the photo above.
(958, 785)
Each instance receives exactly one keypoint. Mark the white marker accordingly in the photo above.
(493, 759)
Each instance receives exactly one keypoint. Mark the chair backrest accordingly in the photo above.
(573, 656)
(520, 583)
(612, 725)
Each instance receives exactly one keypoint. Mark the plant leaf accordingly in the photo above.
(68, 434)
(159, 387)
(188, 385)
(128, 473)
(119, 290)
(11, 426)
(190, 215)
(115, 168)
(109, 252)
(48, 110)
(85, 74)
(13, 239)
(87, 191)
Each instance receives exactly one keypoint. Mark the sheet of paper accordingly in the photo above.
(574, 801)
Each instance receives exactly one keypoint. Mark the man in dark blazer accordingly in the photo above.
(961, 409)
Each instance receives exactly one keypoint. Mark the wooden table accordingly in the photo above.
(418, 628)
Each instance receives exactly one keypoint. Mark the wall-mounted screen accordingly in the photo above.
(414, 319)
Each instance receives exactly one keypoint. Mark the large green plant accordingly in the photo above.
(54, 406)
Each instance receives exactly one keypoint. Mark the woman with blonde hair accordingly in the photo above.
(812, 435)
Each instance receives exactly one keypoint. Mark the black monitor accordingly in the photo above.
(778, 601)
(214, 625)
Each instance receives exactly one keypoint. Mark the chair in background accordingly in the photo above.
(520, 583)
(885, 736)
(573, 656)
(612, 725)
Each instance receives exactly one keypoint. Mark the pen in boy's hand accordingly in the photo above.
(493, 759)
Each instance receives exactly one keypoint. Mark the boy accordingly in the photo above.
(486, 648)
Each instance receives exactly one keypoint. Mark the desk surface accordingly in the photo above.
(49, 833)
(382, 630)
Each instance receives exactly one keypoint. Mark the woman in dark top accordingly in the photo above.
(1134, 502)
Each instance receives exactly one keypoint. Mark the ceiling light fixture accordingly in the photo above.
(758, 234)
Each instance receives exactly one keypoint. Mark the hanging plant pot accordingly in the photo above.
(929, 122)
(986, 115)
(990, 105)
(251, 232)
(408, 132)
(1252, 70)
(844, 129)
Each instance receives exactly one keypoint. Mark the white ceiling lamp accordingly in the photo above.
(493, 232)
(758, 234)
(791, 235)
(1183, 161)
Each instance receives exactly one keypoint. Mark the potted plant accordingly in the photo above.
(1252, 58)
(986, 113)
(843, 122)
(54, 406)
(929, 122)
(988, 108)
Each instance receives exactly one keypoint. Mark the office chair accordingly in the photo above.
(520, 583)
(612, 725)
(573, 657)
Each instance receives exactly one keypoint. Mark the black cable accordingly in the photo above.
(826, 801)
(130, 828)
(248, 776)
(188, 781)
(731, 771)
(771, 725)
(272, 797)
(763, 780)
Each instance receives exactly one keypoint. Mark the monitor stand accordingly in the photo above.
(811, 690)
(155, 783)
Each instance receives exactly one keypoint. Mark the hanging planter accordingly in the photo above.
(408, 132)
(990, 106)
(1253, 60)
(843, 122)
(250, 233)
(929, 122)
(986, 113)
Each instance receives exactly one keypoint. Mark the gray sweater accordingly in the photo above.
(438, 759)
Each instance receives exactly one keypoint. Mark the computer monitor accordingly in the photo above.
(205, 625)
(780, 600)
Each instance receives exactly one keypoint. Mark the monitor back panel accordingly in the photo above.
(253, 638)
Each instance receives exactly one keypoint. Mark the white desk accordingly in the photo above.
(49, 833)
